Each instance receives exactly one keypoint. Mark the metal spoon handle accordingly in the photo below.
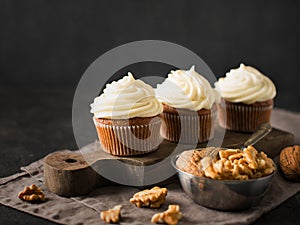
(260, 133)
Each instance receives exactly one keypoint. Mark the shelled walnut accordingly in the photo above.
(32, 194)
(230, 164)
(171, 216)
(289, 161)
(152, 198)
(111, 215)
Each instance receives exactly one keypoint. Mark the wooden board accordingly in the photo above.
(271, 145)
(69, 174)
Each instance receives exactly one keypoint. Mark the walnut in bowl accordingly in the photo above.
(225, 187)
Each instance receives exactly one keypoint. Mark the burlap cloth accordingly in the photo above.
(85, 209)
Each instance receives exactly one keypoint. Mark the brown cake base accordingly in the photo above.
(244, 117)
(127, 137)
(186, 126)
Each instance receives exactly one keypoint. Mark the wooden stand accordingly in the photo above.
(68, 173)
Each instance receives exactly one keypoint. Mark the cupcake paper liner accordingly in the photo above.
(187, 128)
(128, 140)
(242, 117)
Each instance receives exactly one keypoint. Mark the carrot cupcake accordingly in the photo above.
(247, 99)
(127, 117)
(188, 107)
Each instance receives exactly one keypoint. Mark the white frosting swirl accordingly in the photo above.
(187, 90)
(247, 85)
(126, 98)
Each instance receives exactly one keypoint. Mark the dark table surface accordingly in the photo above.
(37, 121)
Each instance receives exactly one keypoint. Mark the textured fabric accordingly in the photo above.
(85, 209)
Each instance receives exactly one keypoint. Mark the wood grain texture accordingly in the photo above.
(68, 174)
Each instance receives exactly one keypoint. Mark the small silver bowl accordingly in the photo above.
(225, 195)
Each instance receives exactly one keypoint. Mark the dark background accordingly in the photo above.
(50, 44)
(46, 45)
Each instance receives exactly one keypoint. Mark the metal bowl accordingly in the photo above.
(225, 195)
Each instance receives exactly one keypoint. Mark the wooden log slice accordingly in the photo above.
(68, 174)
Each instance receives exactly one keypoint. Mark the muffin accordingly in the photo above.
(127, 117)
(188, 107)
(247, 99)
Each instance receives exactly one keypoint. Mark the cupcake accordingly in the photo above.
(188, 107)
(247, 99)
(127, 117)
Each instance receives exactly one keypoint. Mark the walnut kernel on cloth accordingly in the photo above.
(152, 198)
(289, 160)
(171, 216)
(32, 194)
(111, 215)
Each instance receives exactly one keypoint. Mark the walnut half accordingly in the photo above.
(171, 216)
(32, 194)
(152, 198)
(290, 162)
(111, 215)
